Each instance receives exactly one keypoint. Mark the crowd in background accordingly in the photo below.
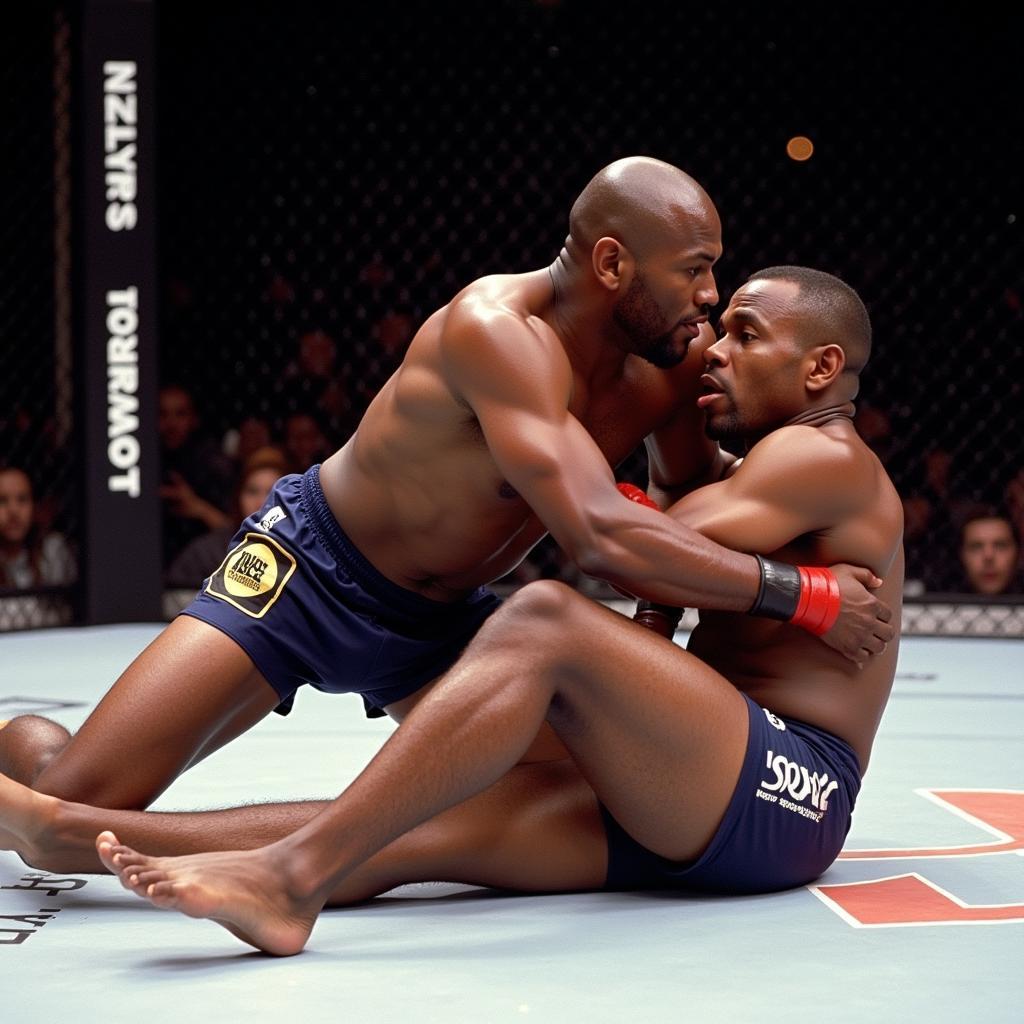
(960, 537)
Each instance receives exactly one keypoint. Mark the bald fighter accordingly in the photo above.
(365, 574)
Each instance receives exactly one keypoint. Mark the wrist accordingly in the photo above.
(806, 596)
(660, 618)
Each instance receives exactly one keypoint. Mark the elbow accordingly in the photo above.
(596, 558)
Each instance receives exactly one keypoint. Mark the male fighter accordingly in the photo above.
(502, 423)
(732, 767)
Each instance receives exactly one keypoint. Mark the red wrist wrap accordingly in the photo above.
(633, 493)
(819, 600)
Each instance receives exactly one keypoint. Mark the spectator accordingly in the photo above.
(1014, 498)
(874, 425)
(29, 555)
(391, 334)
(313, 384)
(240, 442)
(394, 331)
(197, 476)
(989, 550)
(932, 508)
(305, 441)
(205, 553)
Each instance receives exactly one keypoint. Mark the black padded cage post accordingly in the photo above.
(116, 310)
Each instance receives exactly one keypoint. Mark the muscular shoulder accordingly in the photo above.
(493, 331)
(834, 463)
(497, 303)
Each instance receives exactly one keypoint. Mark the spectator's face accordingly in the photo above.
(15, 506)
(394, 332)
(253, 433)
(989, 555)
(316, 353)
(255, 490)
(176, 419)
(304, 440)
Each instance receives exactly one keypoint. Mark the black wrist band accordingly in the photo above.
(670, 612)
(778, 597)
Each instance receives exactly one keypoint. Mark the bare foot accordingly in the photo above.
(25, 818)
(245, 891)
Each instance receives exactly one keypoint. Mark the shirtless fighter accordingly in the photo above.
(364, 574)
(733, 766)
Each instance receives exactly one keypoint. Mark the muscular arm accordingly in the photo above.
(777, 492)
(518, 383)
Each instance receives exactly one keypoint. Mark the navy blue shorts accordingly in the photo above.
(308, 607)
(785, 824)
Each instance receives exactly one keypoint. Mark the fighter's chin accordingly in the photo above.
(665, 353)
(722, 428)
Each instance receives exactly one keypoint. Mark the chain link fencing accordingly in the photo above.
(330, 176)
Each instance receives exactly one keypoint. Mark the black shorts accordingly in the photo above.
(307, 606)
(786, 822)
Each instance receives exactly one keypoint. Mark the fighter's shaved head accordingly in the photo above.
(643, 203)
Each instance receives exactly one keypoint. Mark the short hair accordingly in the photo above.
(267, 456)
(837, 316)
(988, 512)
(14, 467)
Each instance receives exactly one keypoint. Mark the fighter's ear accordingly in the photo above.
(824, 364)
(612, 262)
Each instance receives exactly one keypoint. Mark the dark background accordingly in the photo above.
(347, 168)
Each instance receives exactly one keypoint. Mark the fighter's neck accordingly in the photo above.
(825, 414)
(834, 414)
(582, 320)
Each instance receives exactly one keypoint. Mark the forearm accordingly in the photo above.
(668, 563)
(807, 596)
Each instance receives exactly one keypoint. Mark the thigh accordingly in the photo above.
(538, 829)
(659, 735)
(189, 691)
(545, 747)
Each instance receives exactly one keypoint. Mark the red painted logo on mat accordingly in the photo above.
(910, 898)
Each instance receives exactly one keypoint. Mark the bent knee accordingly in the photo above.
(537, 620)
(28, 744)
(546, 602)
(33, 729)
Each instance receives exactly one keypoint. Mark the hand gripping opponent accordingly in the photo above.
(806, 596)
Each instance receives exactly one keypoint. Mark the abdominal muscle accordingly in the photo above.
(437, 526)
